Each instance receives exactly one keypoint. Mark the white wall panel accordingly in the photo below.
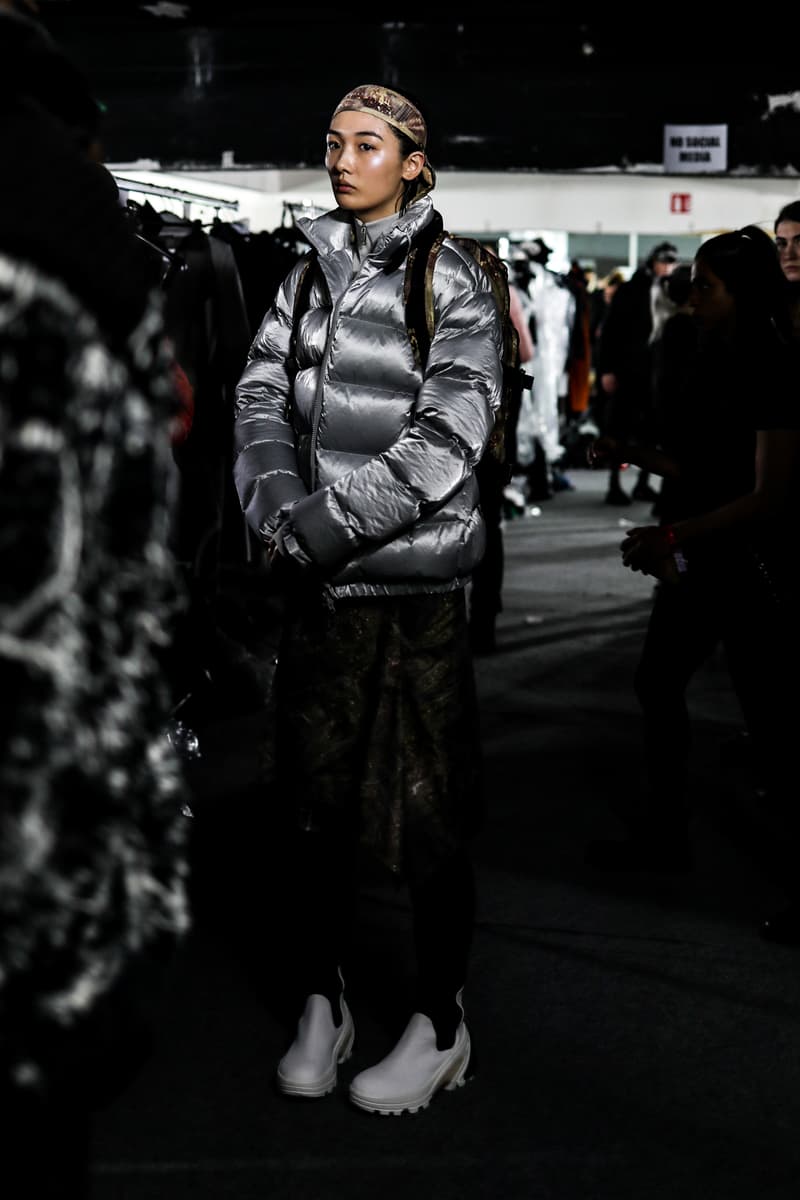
(513, 202)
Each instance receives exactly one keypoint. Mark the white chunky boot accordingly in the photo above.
(410, 1075)
(309, 1066)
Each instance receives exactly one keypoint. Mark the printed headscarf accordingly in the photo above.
(396, 110)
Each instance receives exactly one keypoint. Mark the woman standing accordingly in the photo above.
(726, 559)
(356, 468)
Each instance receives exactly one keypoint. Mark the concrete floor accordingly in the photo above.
(636, 1039)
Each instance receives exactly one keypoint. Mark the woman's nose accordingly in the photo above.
(341, 161)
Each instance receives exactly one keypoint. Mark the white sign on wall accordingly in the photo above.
(695, 148)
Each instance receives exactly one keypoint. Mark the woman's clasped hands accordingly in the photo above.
(647, 548)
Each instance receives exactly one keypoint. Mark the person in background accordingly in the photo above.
(554, 309)
(577, 425)
(519, 315)
(600, 301)
(673, 351)
(787, 243)
(623, 363)
(486, 591)
(579, 360)
(530, 479)
(725, 561)
(783, 926)
(92, 836)
(356, 468)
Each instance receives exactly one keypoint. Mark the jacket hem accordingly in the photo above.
(347, 591)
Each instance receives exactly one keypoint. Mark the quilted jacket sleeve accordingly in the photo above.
(265, 460)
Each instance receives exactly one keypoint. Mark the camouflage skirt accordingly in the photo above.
(376, 725)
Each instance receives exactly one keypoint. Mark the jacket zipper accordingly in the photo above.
(327, 596)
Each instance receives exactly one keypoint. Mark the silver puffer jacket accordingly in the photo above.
(358, 466)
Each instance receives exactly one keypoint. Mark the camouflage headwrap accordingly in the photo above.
(396, 110)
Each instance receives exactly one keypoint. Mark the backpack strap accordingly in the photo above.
(301, 299)
(418, 286)
(233, 324)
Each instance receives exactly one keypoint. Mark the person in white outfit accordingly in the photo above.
(554, 314)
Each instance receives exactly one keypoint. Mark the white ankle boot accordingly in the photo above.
(410, 1075)
(309, 1066)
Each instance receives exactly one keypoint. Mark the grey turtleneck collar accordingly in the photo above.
(366, 234)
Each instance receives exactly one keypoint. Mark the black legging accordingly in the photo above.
(443, 907)
(323, 877)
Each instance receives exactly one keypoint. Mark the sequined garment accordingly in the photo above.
(92, 838)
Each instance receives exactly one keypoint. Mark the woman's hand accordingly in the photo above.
(287, 573)
(648, 549)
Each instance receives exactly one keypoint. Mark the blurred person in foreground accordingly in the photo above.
(92, 832)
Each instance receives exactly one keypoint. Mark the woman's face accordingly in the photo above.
(713, 306)
(787, 242)
(367, 170)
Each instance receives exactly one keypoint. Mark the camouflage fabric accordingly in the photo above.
(390, 106)
(377, 725)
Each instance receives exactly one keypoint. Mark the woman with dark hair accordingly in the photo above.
(726, 560)
(787, 243)
(356, 467)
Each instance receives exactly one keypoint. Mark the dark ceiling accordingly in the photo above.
(563, 87)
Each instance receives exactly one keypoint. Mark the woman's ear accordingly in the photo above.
(413, 164)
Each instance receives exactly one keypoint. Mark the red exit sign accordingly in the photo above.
(680, 202)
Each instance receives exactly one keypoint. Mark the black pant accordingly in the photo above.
(687, 624)
(322, 907)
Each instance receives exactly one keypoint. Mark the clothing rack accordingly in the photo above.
(126, 184)
(300, 208)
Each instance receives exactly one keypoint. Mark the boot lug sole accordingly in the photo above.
(459, 1075)
(315, 1091)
